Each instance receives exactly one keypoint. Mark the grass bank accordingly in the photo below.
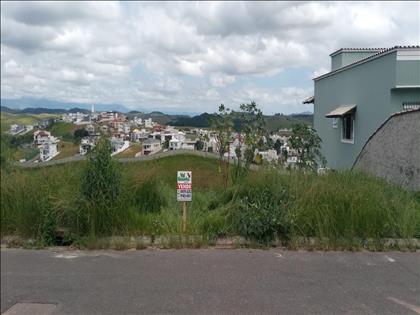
(342, 209)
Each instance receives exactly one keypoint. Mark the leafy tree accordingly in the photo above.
(199, 145)
(277, 145)
(222, 123)
(166, 144)
(306, 142)
(101, 186)
(79, 134)
(253, 129)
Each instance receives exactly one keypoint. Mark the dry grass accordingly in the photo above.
(131, 151)
(67, 149)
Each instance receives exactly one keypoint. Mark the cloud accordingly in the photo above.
(187, 55)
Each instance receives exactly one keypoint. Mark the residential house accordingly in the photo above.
(139, 135)
(151, 146)
(138, 121)
(189, 144)
(43, 124)
(364, 87)
(90, 128)
(118, 145)
(148, 123)
(48, 149)
(269, 155)
(86, 145)
(175, 144)
(210, 145)
(16, 129)
(41, 136)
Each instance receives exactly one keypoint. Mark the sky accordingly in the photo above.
(188, 56)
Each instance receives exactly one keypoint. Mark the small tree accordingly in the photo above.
(252, 125)
(166, 144)
(306, 142)
(223, 126)
(79, 134)
(101, 186)
(199, 145)
(277, 146)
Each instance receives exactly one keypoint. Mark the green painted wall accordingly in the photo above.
(336, 62)
(370, 86)
(408, 72)
(346, 58)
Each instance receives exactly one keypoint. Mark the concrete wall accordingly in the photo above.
(393, 151)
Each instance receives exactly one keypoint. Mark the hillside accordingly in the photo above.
(274, 122)
(8, 119)
(33, 115)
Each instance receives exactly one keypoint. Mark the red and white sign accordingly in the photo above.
(184, 186)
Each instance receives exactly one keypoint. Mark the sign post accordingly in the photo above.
(184, 193)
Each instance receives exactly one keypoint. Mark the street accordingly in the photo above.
(209, 281)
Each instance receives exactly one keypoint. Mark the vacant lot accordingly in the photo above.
(343, 209)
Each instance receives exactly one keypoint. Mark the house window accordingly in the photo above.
(347, 131)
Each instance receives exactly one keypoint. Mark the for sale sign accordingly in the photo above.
(184, 186)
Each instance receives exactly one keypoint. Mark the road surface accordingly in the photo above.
(209, 281)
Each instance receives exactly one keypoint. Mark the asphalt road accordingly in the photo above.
(210, 281)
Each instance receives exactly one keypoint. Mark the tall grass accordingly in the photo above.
(262, 206)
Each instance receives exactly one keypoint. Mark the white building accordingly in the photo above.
(189, 144)
(119, 145)
(90, 128)
(269, 155)
(138, 121)
(151, 146)
(41, 136)
(148, 123)
(86, 145)
(139, 135)
(175, 144)
(210, 145)
(16, 129)
(48, 150)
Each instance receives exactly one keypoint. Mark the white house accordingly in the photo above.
(269, 155)
(86, 145)
(189, 144)
(175, 144)
(148, 123)
(16, 129)
(48, 150)
(41, 136)
(90, 128)
(119, 145)
(138, 121)
(210, 145)
(138, 135)
(151, 146)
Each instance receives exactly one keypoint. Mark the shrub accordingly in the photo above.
(148, 197)
(260, 210)
(48, 227)
(100, 188)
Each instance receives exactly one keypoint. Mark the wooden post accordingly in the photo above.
(184, 216)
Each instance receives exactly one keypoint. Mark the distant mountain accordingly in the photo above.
(29, 102)
(273, 122)
(203, 120)
(41, 110)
